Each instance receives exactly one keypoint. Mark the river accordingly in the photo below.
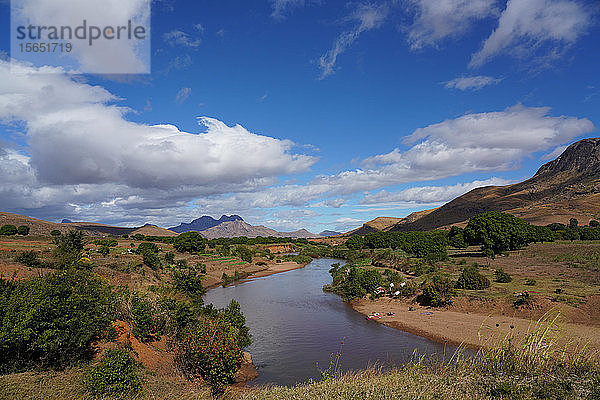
(296, 327)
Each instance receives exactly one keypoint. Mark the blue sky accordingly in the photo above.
(346, 111)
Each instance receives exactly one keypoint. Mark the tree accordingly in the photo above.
(244, 253)
(502, 277)
(8, 230)
(436, 292)
(210, 349)
(497, 232)
(23, 230)
(52, 320)
(232, 314)
(68, 248)
(456, 238)
(191, 242)
(573, 223)
(594, 223)
(471, 279)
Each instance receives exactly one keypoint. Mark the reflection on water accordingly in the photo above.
(296, 327)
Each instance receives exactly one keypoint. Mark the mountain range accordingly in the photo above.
(567, 187)
(203, 223)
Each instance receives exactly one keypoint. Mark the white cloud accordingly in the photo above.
(554, 153)
(345, 224)
(471, 82)
(180, 38)
(183, 95)
(366, 18)
(82, 150)
(525, 26)
(436, 20)
(429, 194)
(282, 7)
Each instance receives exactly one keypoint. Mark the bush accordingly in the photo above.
(8, 230)
(117, 375)
(232, 314)
(29, 258)
(149, 252)
(210, 350)
(145, 320)
(55, 233)
(191, 242)
(244, 253)
(104, 250)
(169, 258)
(68, 248)
(502, 277)
(189, 281)
(436, 292)
(52, 320)
(23, 230)
(471, 279)
(106, 242)
(530, 282)
(594, 223)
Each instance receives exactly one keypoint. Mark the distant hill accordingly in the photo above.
(41, 227)
(327, 233)
(568, 187)
(240, 228)
(203, 223)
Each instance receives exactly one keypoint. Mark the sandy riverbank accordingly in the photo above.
(270, 269)
(470, 329)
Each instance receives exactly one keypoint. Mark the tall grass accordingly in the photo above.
(544, 364)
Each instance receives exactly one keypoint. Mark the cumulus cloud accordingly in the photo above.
(429, 194)
(471, 82)
(492, 141)
(532, 26)
(183, 95)
(81, 149)
(366, 17)
(436, 20)
(345, 224)
(180, 38)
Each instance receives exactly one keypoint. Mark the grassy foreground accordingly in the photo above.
(538, 367)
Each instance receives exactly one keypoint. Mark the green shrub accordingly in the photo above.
(111, 242)
(530, 282)
(29, 258)
(191, 242)
(8, 230)
(52, 320)
(145, 319)
(244, 253)
(23, 230)
(104, 250)
(471, 279)
(189, 281)
(147, 247)
(502, 277)
(55, 233)
(68, 248)
(210, 350)
(149, 252)
(169, 258)
(117, 375)
(232, 314)
(436, 291)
